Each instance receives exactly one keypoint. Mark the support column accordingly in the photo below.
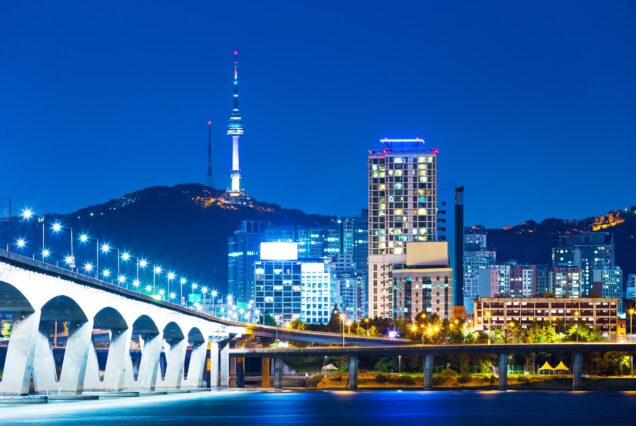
(225, 365)
(352, 379)
(116, 364)
(240, 372)
(214, 365)
(175, 359)
(503, 372)
(233, 372)
(265, 372)
(428, 372)
(577, 371)
(149, 365)
(75, 358)
(18, 365)
(278, 373)
(197, 364)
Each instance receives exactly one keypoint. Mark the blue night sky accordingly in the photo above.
(531, 104)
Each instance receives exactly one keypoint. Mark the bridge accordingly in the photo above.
(171, 342)
(429, 352)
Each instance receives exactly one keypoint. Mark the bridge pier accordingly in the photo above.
(214, 365)
(577, 371)
(118, 352)
(149, 364)
(175, 359)
(265, 372)
(278, 373)
(428, 371)
(18, 364)
(352, 379)
(503, 372)
(224, 364)
(194, 379)
(240, 372)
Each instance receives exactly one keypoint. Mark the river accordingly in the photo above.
(395, 408)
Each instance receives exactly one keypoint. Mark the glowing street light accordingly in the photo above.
(88, 266)
(121, 279)
(105, 248)
(182, 281)
(136, 283)
(20, 243)
(46, 253)
(56, 227)
(125, 256)
(156, 270)
(106, 273)
(26, 213)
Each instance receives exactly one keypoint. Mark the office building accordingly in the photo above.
(598, 313)
(402, 201)
(477, 258)
(566, 282)
(289, 288)
(243, 251)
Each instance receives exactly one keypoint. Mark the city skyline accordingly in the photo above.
(308, 94)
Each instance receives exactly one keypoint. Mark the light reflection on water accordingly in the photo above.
(337, 408)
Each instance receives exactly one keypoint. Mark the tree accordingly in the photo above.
(6, 329)
(268, 319)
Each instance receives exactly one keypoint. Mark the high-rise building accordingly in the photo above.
(476, 259)
(235, 130)
(543, 280)
(523, 281)
(450, 228)
(424, 283)
(402, 208)
(588, 251)
(608, 282)
(566, 281)
(289, 288)
(243, 251)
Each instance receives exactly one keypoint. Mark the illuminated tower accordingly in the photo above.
(235, 129)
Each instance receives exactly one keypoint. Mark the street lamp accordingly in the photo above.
(57, 227)
(576, 326)
(171, 276)
(342, 319)
(84, 238)
(630, 311)
(214, 293)
(182, 281)
(156, 270)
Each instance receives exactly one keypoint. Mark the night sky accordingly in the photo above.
(531, 104)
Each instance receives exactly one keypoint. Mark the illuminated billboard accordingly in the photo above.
(279, 251)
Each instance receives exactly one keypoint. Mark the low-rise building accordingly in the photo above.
(598, 313)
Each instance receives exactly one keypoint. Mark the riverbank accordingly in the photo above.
(449, 381)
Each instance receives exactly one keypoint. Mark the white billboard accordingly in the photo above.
(279, 251)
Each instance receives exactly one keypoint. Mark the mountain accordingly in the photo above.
(185, 227)
(532, 242)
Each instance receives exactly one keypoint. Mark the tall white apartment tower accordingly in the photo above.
(402, 208)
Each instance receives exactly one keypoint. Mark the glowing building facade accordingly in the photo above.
(402, 208)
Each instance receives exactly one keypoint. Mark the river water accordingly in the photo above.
(395, 408)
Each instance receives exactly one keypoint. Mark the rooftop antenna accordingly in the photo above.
(210, 153)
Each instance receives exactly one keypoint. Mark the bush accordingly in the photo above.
(313, 381)
(405, 380)
(338, 378)
(381, 378)
(448, 374)
(464, 378)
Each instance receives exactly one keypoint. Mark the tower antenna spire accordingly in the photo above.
(210, 181)
(235, 130)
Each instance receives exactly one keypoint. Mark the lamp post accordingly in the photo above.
(342, 318)
(576, 326)
(84, 238)
(57, 227)
(155, 270)
(10, 227)
(366, 320)
(171, 276)
(214, 293)
(182, 281)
